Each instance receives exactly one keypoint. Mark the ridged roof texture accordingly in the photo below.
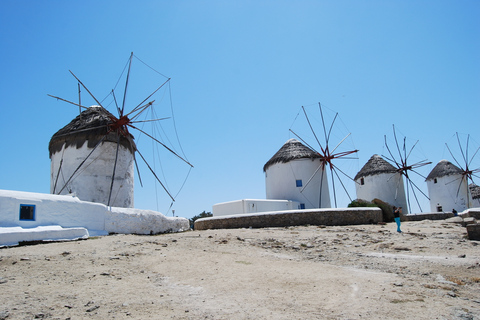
(442, 169)
(291, 150)
(90, 126)
(376, 165)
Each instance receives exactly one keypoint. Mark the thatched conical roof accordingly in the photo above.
(376, 165)
(291, 150)
(442, 169)
(474, 191)
(90, 126)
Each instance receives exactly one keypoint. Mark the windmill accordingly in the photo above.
(90, 137)
(328, 155)
(467, 166)
(401, 160)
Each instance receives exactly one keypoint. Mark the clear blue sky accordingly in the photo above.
(240, 72)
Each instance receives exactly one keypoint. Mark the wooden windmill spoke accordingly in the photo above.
(76, 104)
(341, 182)
(461, 149)
(138, 171)
(333, 188)
(141, 103)
(140, 110)
(126, 85)
(474, 154)
(455, 159)
(392, 158)
(304, 142)
(155, 175)
(162, 145)
(421, 175)
(324, 127)
(114, 169)
(415, 195)
(86, 89)
(346, 175)
(152, 120)
(321, 186)
(416, 187)
(411, 149)
(313, 131)
(81, 164)
(313, 175)
(116, 104)
(398, 148)
(340, 142)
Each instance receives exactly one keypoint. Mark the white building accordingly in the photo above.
(296, 173)
(83, 156)
(378, 179)
(475, 193)
(37, 216)
(448, 188)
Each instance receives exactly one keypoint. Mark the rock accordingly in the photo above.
(457, 220)
(473, 231)
(470, 220)
(3, 315)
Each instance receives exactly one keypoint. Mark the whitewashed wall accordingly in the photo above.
(63, 210)
(252, 206)
(444, 194)
(388, 187)
(92, 181)
(69, 211)
(280, 183)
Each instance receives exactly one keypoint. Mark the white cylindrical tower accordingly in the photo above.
(475, 193)
(296, 173)
(82, 164)
(378, 179)
(448, 188)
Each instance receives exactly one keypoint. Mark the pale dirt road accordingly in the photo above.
(431, 271)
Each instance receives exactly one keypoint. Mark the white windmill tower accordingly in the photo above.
(475, 192)
(401, 158)
(344, 149)
(450, 183)
(447, 189)
(93, 156)
(82, 157)
(378, 179)
(295, 172)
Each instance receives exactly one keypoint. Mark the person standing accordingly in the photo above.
(396, 215)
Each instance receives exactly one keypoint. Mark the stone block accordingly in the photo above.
(473, 231)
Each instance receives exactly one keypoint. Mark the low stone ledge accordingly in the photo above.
(428, 216)
(329, 217)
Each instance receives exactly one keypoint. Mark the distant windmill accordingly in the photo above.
(400, 159)
(466, 165)
(325, 151)
(93, 155)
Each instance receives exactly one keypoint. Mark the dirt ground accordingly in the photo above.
(430, 271)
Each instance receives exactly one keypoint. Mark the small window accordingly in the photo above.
(302, 205)
(27, 212)
(439, 209)
(362, 181)
(299, 183)
(435, 180)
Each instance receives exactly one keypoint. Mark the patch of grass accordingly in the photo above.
(243, 262)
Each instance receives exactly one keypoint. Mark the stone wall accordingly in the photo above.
(428, 216)
(329, 217)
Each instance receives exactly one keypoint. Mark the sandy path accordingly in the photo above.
(360, 272)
